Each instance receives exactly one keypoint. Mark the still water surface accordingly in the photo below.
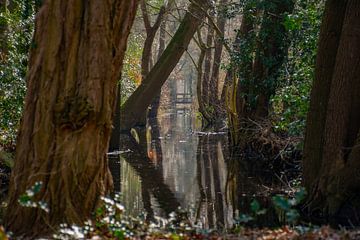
(180, 166)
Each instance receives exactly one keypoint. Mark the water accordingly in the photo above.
(180, 166)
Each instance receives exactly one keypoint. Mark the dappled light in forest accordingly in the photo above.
(179, 119)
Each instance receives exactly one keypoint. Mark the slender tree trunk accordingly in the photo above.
(199, 89)
(138, 102)
(207, 67)
(66, 126)
(214, 80)
(150, 36)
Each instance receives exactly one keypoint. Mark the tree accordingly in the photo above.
(256, 62)
(331, 152)
(139, 101)
(75, 63)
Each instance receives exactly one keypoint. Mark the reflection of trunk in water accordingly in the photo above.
(208, 185)
(245, 183)
(115, 169)
(199, 177)
(151, 177)
(146, 198)
(207, 163)
(218, 204)
(155, 137)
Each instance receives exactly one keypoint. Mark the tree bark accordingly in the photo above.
(74, 66)
(326, 57)
(214, 80)
(335, 190)
(138, 102)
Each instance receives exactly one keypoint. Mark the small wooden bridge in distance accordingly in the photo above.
(183, 98)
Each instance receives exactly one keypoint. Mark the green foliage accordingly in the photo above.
(287, 205)
(18, 24)
(256, 211)
(291, 101)
(28, 198)
(131, 74)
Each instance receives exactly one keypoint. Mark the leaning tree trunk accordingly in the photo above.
(64, 136)
(337, 183)
(138, 102)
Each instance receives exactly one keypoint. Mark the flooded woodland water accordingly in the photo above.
(181, 166)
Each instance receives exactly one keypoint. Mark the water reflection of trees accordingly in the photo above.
(211, 202)
(152, 178)
(225, 183)
(249, 180)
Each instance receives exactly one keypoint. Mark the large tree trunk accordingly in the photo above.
(326, 56)
(66, 126)
(138, 102)
(337, 183)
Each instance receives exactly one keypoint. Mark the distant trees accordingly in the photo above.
(208, 65)
(75, 63)
(138, 102)
(331, 154)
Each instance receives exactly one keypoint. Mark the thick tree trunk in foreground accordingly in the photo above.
(138, 102)
(335, 190)
(326, 56)
(66, 126)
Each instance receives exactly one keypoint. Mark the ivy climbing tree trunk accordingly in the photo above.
(139, 101)
(74, 67)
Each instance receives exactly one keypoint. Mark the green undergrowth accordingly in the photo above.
(109, 221)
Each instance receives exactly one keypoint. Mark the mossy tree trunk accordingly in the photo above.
(256, 64)
(139, 101)
(74, 67)
(335, 183)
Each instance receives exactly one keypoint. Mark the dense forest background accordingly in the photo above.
(79, 80)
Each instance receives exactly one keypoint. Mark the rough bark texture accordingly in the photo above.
(138, 102)
(326, 56)
(335, 191)
(64, 135)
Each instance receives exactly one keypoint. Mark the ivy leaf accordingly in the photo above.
(255, 206)
(281, 202)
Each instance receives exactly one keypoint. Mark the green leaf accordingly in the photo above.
(37, 187)
(255, 206)
(24, 199)
(119, 234)
(281, 202)
(244, 218)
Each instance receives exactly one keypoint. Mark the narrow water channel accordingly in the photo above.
(180, 166)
